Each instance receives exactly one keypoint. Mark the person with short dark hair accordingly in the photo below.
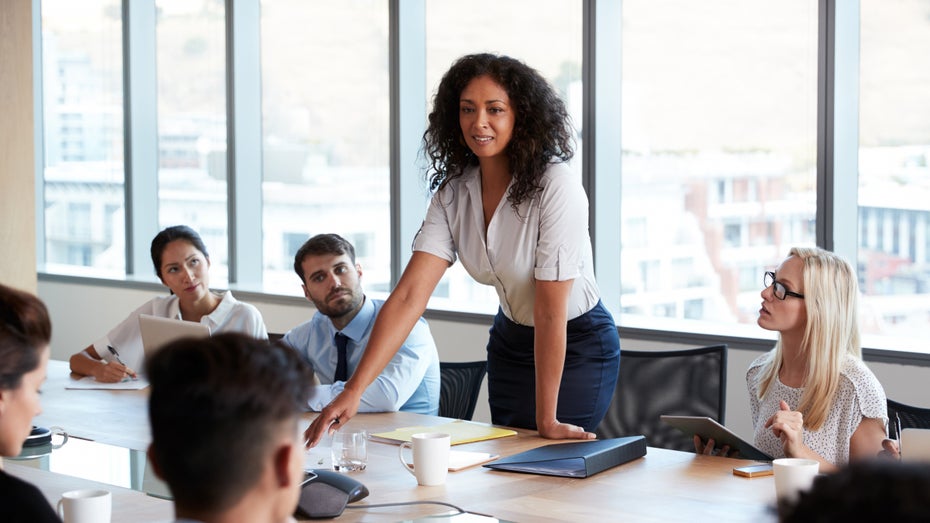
(331, 279)
(508, 207)
(25, 333)
(182, 263)
(870, 490)
(224, 413)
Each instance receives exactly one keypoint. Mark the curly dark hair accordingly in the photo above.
(542, 127)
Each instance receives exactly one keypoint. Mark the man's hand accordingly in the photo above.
(332, 417)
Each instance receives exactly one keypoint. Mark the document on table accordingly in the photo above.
(460, 431)
(91, 383)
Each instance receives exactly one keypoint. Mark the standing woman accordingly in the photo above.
(25, 332)
(812, 396)
(183, 265)
(509, 208)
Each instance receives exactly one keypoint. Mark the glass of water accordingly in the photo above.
(349, 450)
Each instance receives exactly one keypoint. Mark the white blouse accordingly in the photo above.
(547, 239)
(231, 315)
(859, 396)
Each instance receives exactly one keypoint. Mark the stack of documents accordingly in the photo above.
(459, 431)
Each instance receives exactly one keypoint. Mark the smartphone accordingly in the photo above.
(754, 471)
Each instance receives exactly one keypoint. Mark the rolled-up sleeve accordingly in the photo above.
(435, 235)
(563, 230)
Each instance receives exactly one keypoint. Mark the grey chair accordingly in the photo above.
(460, 385)
(690, 382)
(908, 416)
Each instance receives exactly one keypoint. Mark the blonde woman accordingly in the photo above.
(812, 396)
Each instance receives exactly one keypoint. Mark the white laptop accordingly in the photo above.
(915, 444)
(157, 331)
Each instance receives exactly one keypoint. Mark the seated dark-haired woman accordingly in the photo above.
(183, 265)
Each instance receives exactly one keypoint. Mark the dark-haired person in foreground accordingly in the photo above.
(224, 413)
(25, 332)
(182, 263)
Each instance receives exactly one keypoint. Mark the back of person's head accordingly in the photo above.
(170, 234)
(542, 127)
(217, 407)
(322, 245)
(25, 331)
(871, 490)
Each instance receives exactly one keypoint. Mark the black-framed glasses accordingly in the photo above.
(781, 292)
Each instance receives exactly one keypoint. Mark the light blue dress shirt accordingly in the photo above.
(410, 382)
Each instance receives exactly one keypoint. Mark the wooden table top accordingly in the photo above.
(664, 485)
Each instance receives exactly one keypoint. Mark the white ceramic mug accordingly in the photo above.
(430, 457)
(85, 506)
(792, 476)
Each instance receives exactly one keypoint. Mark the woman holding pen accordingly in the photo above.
(508, 207)
(183, 265)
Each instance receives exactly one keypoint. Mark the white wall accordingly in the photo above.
(81, 313)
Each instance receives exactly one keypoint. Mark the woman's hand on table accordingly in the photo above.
(332, 417)
(557, 430)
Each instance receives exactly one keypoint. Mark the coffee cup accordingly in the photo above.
(85, 506)
(793, 476)
(430, 457)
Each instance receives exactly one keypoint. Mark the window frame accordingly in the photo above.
(837, 150)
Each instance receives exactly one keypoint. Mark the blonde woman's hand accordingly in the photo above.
(788, 426)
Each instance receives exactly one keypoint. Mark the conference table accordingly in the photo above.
(664, 485)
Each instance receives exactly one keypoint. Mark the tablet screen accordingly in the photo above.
(708, 428)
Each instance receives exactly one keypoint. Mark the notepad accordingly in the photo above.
(460, 431)
(462, 459)
(91, 383)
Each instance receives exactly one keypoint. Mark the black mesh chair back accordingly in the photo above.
(690, 382)
(461, 383)
(910, 418)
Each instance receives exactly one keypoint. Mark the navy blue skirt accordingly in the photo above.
(592, 361)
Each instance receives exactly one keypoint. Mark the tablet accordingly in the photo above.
(708, 428)
(157, 331)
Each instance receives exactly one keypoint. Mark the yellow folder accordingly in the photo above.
(460, 431)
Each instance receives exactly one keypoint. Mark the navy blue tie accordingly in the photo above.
(342, 366)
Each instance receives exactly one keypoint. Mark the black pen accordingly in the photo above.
(118, 360)
(116, 354)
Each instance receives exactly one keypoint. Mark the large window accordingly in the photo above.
(325, 113)
(82, 96)
(719, 153)
(718, 113)
(894, 167)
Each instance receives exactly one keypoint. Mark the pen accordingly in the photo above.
(116, 354)
(118, 360)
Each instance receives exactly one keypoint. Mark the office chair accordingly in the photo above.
(909, 416)
(690, 382)
(460, 385)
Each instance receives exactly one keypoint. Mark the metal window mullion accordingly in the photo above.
(244, 141)
(140, 132)
(407, 43)
(838, 127)
(602, 151)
